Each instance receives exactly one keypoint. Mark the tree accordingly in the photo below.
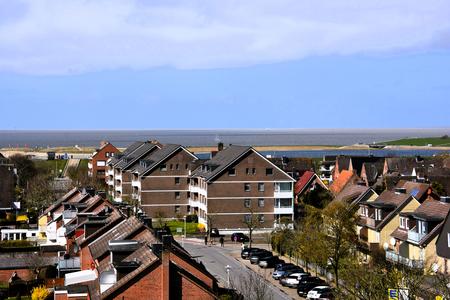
(252, 221)
(25, 169)
(252, 286)
(39, 193)
(339, 238)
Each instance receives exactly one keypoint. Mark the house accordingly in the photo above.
(237, 185)
(371, 165)
(443, 242)
(294, 166)
(307, 182)
(97, 162)
(379, 217)
(345, 177)
(118, 174)
(326, 169)
(160, 181)
(353, 194)
(129, 260)
(413, 242)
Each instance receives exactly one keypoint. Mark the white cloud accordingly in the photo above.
(58, 37)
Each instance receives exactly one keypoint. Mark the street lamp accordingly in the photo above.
(228, 268)
(184, 235)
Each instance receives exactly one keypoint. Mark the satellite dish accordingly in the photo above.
(392, 241)
(385, 246)
(435, 267)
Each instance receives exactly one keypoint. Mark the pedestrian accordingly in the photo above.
(221, 241)
(206, 240)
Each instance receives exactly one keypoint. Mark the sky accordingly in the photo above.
(224, 64)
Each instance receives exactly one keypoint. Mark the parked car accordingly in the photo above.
(308, 283)
(269, 261)
(277, 274)
(281, 265)
(245, 253)
(321, 292)
(293, 279)
(290, 272)
(255, 256)
(239, 237)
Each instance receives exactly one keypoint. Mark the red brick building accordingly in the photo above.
(97, 163)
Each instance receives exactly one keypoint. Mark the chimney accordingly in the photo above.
(220, 146)
(165, 257)
(445, 199)
(400, 190)
(102, 194)
(103, 143)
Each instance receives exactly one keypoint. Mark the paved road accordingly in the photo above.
(216, 258)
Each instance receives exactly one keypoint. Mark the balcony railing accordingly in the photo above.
(366, 221)
(415, 237)
(396, 258)
(282, 209)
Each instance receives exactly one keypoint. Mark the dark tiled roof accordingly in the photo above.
(114, 218)
(221, 161)
(120, 232)
(371, 171)
(25, 261)
(389, 198)
(130, 158)
(432, 210)
(416, 189)
(61, 200)
(351, 192)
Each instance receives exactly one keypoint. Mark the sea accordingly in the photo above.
(210, 137)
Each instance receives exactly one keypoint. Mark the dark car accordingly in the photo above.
(255, 256)
(308, 283)
(245, 254)
(283, 265)
(239, 237)
(269, 261)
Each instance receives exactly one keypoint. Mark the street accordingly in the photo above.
(217, 258)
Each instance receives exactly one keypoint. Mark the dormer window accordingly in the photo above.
(163, 167)
(422, 227)
(404, 223)
(378, 214)
(364, 211)
(232, 172)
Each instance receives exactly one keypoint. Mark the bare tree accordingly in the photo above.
(252, 286)
(39, 193)
(252, 222)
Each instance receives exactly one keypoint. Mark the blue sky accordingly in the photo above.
(224, 64)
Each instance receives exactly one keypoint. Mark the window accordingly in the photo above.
(177, 195)
(261, 218)
(404, 223)
(250, 171)
(423, 227)
(247, 187)
(247, 218)
(177, 208)
(247, 203)
(101, 163)
(282, 187)
(269, 171)
(112, 154)
(261, 187)
(163, 167)
(448, 239)
(171, 166)
(232, 172)
(107, 154)
(186, 166)
(177, 180)
(261, 202)
(364, 211)
(378, 214)
(177, 167)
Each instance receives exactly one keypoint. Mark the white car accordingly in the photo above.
(320, 292)
(293, 279)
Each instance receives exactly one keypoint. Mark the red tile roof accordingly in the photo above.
(344, 178)
(303, 181)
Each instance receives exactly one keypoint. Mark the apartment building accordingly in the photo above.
(118, 171)
(237, 184)
(160, 181)
(97, 162)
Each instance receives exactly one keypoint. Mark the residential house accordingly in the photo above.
(413, 243)
(378, 218)
(326, 169)
(345, 177)
(97, 162)
(160, 181)
(237, 185)
(308, 182)
(353, 194)
(294, 166)
(119, 168)
(371, 165)
(443, 242)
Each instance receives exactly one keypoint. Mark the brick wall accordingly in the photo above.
(25, 274)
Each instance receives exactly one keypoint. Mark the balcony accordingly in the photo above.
(118, 183)
(366, 221)
(326, 169)
(118, 176)
(136, 183)
(197, 189)
(135, 196)
(110, 172)
(89, 165)
(396, 258)
(415, 237)
(283, 210)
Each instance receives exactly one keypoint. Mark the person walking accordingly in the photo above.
(206, 240)
(221, 241)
